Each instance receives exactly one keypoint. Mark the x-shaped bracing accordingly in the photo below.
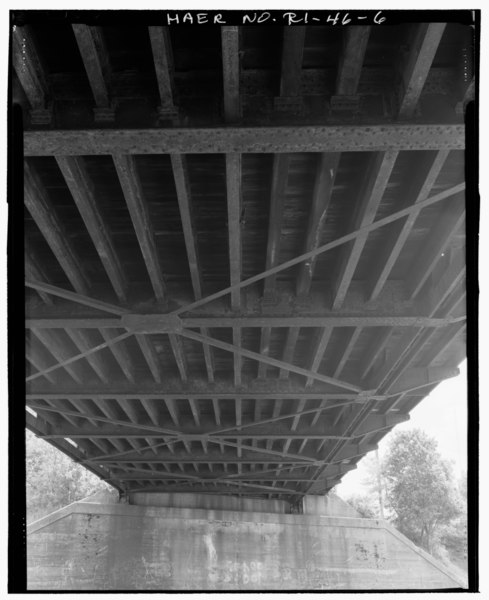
(176, 436)
(171, 324)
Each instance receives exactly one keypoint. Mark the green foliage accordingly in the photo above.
(421, 496)
(53, 480)
(453, 536)
(420, 487)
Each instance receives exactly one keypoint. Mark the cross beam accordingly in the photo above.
(167, 323)
(323, 138)
(214, 456)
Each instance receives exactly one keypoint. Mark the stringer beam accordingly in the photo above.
(37, 201)
(422, 183)
(163, 62)
(379, 171)
(277, 199)
(95, 59)
(81, 188)
(182, 185)
(230, 69)
(133, 193)
(31, 74)
(424, 45)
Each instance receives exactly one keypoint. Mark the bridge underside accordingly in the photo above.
(244, 246)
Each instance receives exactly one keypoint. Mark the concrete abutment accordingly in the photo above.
(205, 542)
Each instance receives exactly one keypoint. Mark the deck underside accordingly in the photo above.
(244, 246)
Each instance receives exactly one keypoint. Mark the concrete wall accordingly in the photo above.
(330, 505)
(122, 547)
(209, 502)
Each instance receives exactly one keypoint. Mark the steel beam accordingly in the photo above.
(374, 186)
(162, 56)
(138, 209)
(419, 377)
(38, 203)
(424, 45)
(175, 390)
(95, 59)
(230, 72)
(322, 138)
(162, 323)
(424, 178)
(34, 272)
(355, 42)
(81, 188)
(79, 298)
(31, 74)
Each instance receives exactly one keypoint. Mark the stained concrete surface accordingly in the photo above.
(122, 547)
(209, 501)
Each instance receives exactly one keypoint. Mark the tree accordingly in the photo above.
(420, 487)
(53, 480)
(454, 535)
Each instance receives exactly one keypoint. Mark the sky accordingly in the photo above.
(442, 415)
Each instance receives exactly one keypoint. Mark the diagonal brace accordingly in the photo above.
(325, 247)
(79, 356)
(268, 360)
(41, 286)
